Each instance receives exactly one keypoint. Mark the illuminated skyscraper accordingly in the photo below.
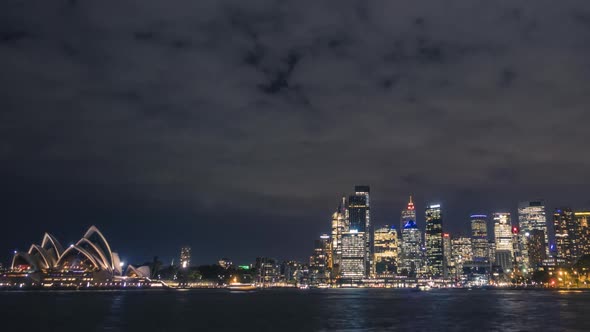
(565, 234)
(411, 260)
(434, 240)
(503, 240)
(408, 214)
(447, 253)
(536, 248)
(479, 238)
(353, 261)
(185, 257)
(319, 261)
(582, 220)
(386, 251)
(339, 227)
(461, 252)
(359, 218)
(531, 215)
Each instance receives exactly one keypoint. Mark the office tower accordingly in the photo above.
(408, 214)
(185, 257)
(359, 218)
(319, 260)
(353, 262)
(565, 234)
(411, 262)
(536, 248)
(517, 249)
(268, 270)
(461, 252)
(386, 251)
(531, 215)
(339, 227)
(582, 220)
(434, 240)
(504, 250)
(447, 254)
(479, 238)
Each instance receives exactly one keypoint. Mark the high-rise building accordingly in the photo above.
(582, 220)
(386, 251)
(411, 262)
(339, 227)
(359, 218)
(353, 261)
(319, 260)
(565, 234)
(434, 240)
(536, 248)
(531, 215)
(479, 238)
(408, 214)
(185, 257)
(447, 254)
(461, 252)
(503, 240)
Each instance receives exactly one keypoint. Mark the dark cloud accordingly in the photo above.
(208, 122)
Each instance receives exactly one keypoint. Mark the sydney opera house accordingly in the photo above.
(88, 263)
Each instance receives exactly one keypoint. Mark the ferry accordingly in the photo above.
(238, 286)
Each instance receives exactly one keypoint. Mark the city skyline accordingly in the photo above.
(419, 218)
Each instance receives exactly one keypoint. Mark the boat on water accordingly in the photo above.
(237, 286)
(422, 288)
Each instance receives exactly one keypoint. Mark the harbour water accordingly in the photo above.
(296, 310)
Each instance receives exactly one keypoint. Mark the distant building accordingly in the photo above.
(536, 248)
(447, 253)
(565, 234)
(353, 256)
(268, 271)
(411, 253)
(582, 220)
(479, 238)
(225, 263)
(386, 251)
(461, 253)
(339, 227)
(504, 246)
(531, 216)
(434, 240)
(319, 261)
(408, 214)
(185, 257)
(359, 216)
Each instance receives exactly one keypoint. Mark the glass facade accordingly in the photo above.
(434, 240)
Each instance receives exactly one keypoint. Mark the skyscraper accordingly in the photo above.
(319, 261)
(434, 240)
(536, 248)
(185, 257)
(339, 227)
(503, 240)
(353, 260)
(582, 220)
(565, 233)
(359, 217)
(447, 253)
(461, 252)
(411, 262)
(386, 251)
(531, 215)
(479, 238)
(408, 214)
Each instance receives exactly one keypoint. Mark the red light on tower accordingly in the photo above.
(411, 204)
(514, 230)
(446, 235)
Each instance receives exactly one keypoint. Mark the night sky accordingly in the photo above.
(235, 126)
